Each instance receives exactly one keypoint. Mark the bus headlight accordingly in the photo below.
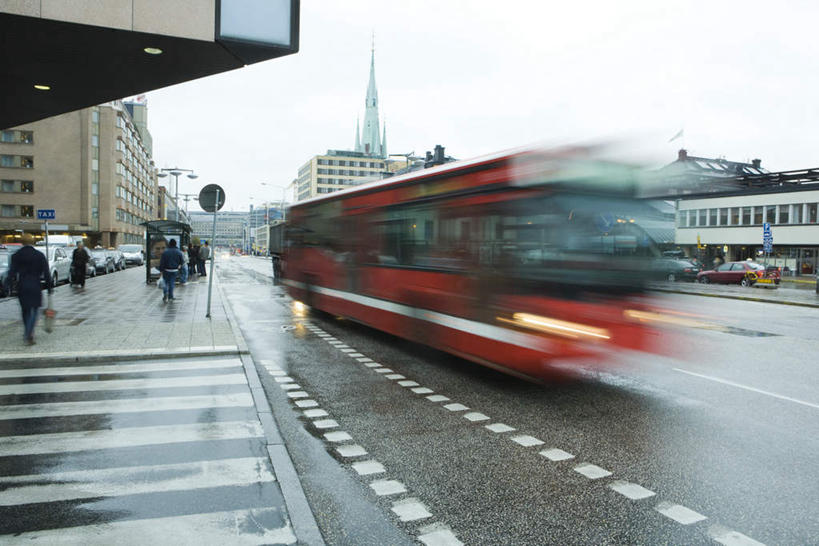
(563, 328)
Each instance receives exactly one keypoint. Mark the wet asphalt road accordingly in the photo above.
(720, 441)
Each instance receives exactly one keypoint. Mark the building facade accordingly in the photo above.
(336, 170)
(230, 227)
(91, 166)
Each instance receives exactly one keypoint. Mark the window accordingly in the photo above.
(703, 217)
(95, 140)
(17, 161)
(783, 214)
(95, 118)
(797, 214)
(26, 186)
(95, 164)
(95, 189)
(8, 186)
(758, 214)
(811, 219)
(712, 217)
(770, 214)
(723, 217)
(724, 267)
(27, 211)
(95, 212)
(17, 137)
(746, 216)
(734, 216)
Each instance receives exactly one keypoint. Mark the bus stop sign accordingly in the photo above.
(207, 198)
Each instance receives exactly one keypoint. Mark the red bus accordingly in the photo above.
(520, 261)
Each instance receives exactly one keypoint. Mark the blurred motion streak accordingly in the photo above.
(514, 260)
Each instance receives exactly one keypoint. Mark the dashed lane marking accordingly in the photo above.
(289, 386)
(499, 427)
(283, 379)
(555, 454)
(346, 350)
(631, 490)
(325, 423)
(408, 383)
(731, 538)
(307, 403)
(350, 451)
(313, 413)
(366, 468)
(410, 509)
(476, 416)
(456, 407)
(354, 355)
(364, 359)
(387, 487)
(394, 376)
(747, 388)
(372, 364)
(298, 394)
(421, 390)
(338, 436)
(591, 471)
(679, 513)
(382, 370)
(437, 398)
(438, 535)
(527, 441)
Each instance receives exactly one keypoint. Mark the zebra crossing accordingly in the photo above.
(135, 452)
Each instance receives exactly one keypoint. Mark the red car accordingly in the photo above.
(743, 273)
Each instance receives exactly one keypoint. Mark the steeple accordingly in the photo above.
(357, 137)
(370, 138)
(384, 140)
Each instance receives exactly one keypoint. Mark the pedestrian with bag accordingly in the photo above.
(29, 267)
(169, 264)
(183, 279)
(204, 256)
(79, 264)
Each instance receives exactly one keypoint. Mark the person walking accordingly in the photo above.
(204, 256)
(29, 267)
(79, 263)
(193, 259)
(183, 279)
(169, 264)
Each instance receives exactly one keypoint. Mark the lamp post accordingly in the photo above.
(175, 172)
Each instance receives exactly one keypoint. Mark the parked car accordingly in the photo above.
(59, 263)
(671, 269)
(90, 266)
(103, 260)
(118, 258)
(743, 273)
(133, 254)
(5, 262)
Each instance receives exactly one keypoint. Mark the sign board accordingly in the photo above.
(767, 237)
(604, 222)
(46, 214)
(207, 198)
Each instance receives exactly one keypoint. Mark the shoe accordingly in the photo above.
(30, 341)
(164, 298)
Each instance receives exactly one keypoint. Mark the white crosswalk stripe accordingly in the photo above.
(169, 442)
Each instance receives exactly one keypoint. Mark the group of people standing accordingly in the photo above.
(187, 262)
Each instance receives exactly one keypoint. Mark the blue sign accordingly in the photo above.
(767, 246)
(46, 214)
(766, 228)
(604, 222)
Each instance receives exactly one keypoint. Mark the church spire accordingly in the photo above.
(370, 137)
(357, 137)
(384, 140)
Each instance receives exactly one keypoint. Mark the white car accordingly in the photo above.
(133, 254)
(59, 263)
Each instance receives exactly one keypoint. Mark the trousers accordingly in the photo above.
(29, 320)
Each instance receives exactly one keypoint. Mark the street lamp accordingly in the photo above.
(284, 197)
(175, 172)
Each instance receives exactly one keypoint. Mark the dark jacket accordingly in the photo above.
(171, 259)
(30, 267)
(80, 258)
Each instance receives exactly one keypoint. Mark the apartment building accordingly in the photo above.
(91, 166)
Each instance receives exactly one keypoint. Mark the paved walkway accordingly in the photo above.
(785, 294)
(118, 314)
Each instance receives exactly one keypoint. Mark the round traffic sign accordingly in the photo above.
(208, 198)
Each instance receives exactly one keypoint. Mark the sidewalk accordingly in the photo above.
(119, 316)
(785, 294)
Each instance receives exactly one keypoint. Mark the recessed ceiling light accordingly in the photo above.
(42, 87)
(152, 51)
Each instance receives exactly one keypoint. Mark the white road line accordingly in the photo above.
(408, 383)
(125, 384)
(128, 405)
(297, 394)
(410, 510)
(456, 407)
(133, 480)
(345, 349)
(527, 441)
(631, 490)
(747, 388)
(325, 423)
(437, 398)
(387, 487)
(59, 442)
(365, 468)
(290, 386)
(283, 379)
(307, 403)
(313, 413)
(354, 355)
(421, 390)
(214, 528)
(475, 416)
(338, 436)
(499, 427)
(591, 471)
(351, 451)
(438, 535)
(268, 363)
(394, 376)
(365, 359)
(556, 454)
(382, 370)
(372, 364)
(120, 368)
(679, 513)
(275, 372)
(728, 537)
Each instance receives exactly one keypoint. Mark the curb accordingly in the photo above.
(118, 356)
(742, 298)
(298, 508)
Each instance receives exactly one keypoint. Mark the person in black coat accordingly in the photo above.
(79, 262)
(29, 266)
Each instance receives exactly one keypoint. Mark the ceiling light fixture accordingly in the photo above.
(42, 87)
(152, 51)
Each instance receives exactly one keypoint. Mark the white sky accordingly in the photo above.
(476, 76)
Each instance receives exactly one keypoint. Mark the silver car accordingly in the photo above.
(133, 254)
(59, 263)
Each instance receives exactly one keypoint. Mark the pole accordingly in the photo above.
(176, 196)
(213, 250)
(47, 256)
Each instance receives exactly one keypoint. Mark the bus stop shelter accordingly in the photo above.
(157, 235)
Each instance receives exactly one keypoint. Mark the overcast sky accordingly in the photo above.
(481, 76)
